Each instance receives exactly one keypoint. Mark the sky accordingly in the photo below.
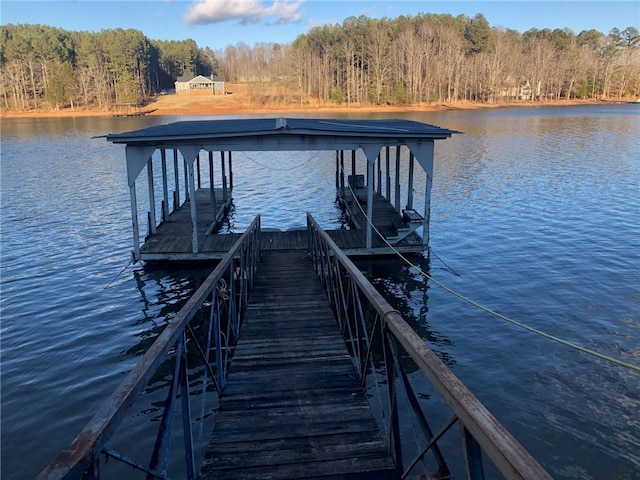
(219, 23)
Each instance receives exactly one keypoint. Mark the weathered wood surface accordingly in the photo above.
(292, 406)
(174, 235)
(173, 240)
(385, 217)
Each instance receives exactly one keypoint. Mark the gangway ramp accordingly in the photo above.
(293, 406)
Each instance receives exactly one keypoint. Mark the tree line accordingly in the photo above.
(365, 61)
(48, 67)
(442, 58)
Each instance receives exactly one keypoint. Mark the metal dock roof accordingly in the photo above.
(200, 130)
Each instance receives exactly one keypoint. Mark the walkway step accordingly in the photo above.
(292, 407)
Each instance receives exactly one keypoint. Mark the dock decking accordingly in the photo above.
(292, 406)
(173, 237)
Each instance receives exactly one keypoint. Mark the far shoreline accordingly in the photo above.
(156, 109)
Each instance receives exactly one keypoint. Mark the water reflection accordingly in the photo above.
(536, 210)
(407, 291)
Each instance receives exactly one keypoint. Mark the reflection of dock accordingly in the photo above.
(187, 233)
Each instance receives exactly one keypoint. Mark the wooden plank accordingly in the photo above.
(292, 406)
(173, 237)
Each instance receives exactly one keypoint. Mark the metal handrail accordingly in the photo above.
(223, 296)
(351, 296)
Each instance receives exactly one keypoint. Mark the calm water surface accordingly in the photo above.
(535, 214)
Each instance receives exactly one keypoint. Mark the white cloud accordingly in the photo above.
(244, 11)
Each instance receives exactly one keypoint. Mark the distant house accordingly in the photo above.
(521, 90)
(199, 85)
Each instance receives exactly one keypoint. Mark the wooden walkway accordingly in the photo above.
(173, 240)
(292, 406)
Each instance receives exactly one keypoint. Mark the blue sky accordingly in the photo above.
(218, 23)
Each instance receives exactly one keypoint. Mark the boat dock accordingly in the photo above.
(287, 363)
(299, 351)
(293, 406)
(369, 189)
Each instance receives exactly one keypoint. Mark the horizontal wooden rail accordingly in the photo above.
(506, 453)
(80, 460)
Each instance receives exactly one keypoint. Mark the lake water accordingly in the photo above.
(535, 214)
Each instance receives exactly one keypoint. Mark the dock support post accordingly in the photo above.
(198, 170)
(165, 187)
(424, 152)
(353, 164)
(137, 158)
(176, 181)
(379, 160)
(224, 177)
(338, 171)
(187, 194)
(212, 192)
(397, 199)
(342, 173)
(190, 154)
(372, 152)
(230, 173)
(410, 186)
(388, 176)
(136, 226)
(192, 203)
(369, 204)
(152, 198)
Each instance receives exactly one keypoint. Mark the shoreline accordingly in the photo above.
(160, 108)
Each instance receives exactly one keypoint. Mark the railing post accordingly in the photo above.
(472, 455)
(233, 307)
(217, 336)
(186, 411)
(163, 443)
(395, 446)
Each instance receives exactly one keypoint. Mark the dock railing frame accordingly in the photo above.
(366, 320)
(220, 303)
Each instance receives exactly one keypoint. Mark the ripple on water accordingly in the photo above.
(534, 209)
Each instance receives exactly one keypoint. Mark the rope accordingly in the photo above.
(118, 276)
(548, 336)
(298, 165)
(223, 291)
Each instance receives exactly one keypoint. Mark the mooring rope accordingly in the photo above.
(541, 333)
(118, 275)
(295, 167)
